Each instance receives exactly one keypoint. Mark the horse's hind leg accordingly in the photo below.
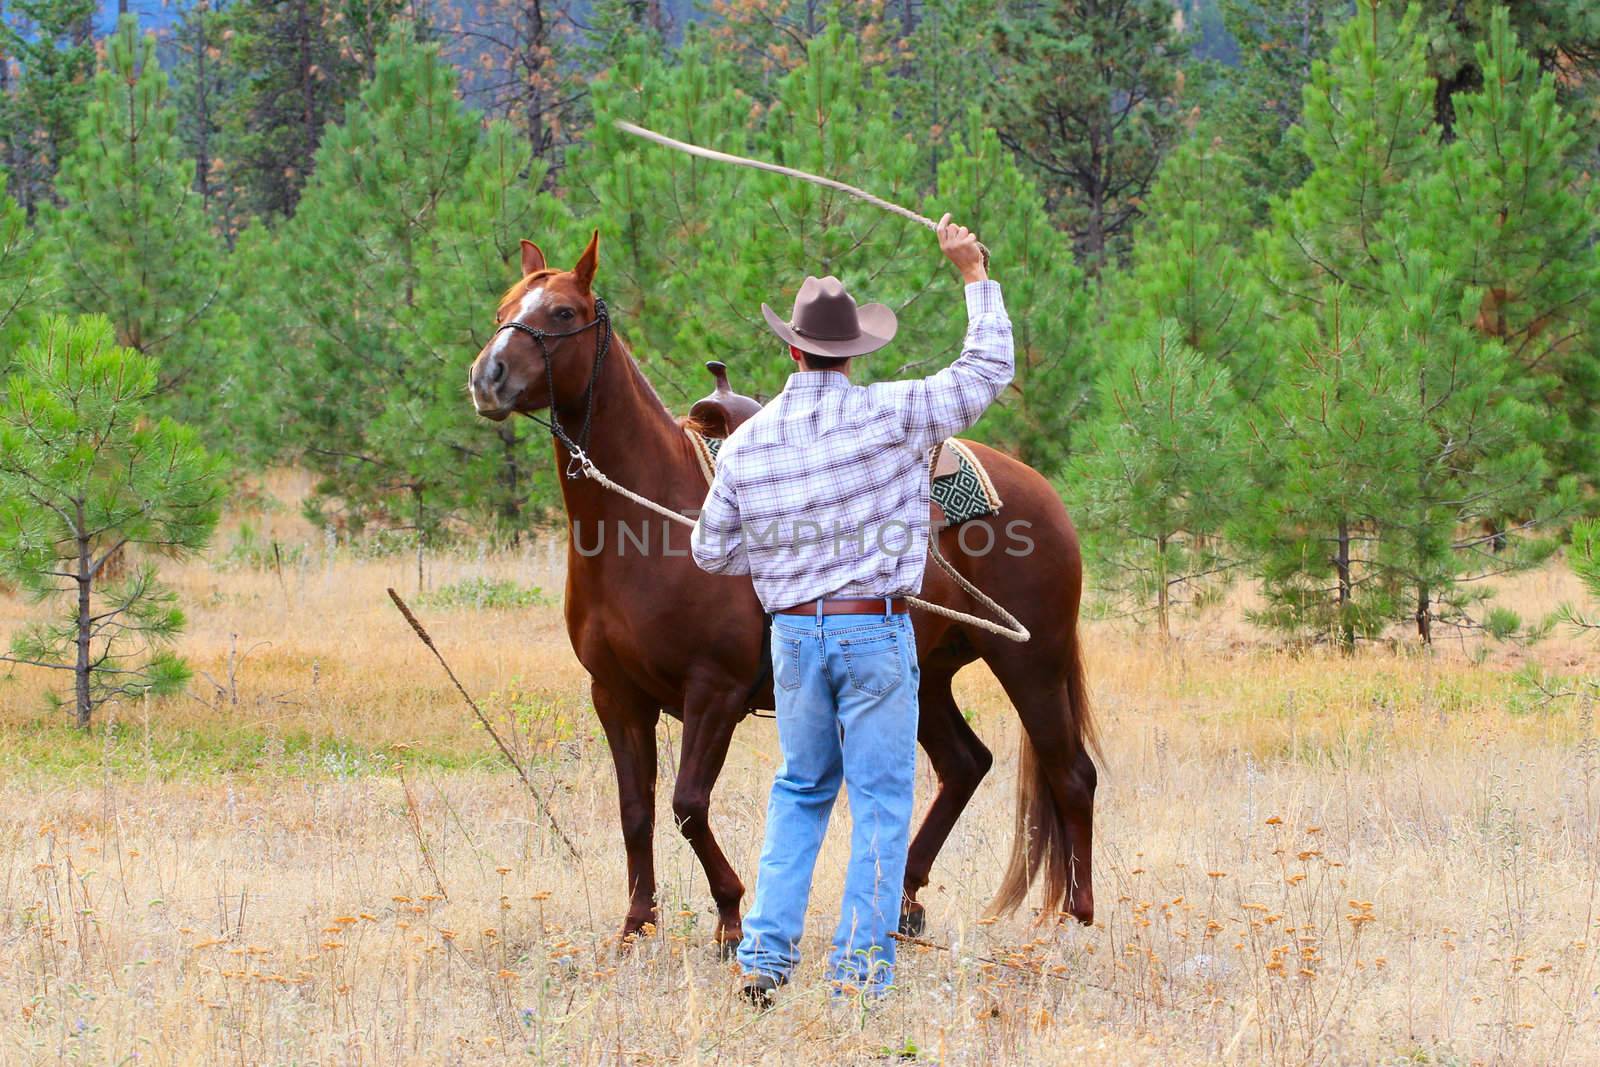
(707, 731)
(1057, 779)
(960, 760)
(629, 721)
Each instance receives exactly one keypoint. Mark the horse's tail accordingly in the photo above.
(1042, 840)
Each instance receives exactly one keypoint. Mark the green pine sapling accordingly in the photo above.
(128, 235)
(85, 474)
(1158, 476)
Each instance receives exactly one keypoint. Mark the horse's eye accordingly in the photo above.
(566, 314)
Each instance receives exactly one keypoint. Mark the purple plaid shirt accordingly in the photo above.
(824, 492)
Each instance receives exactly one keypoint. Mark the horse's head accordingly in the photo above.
(509, 375)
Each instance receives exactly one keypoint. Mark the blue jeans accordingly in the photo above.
(846, 688)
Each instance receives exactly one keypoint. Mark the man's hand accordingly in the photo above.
(960, 246)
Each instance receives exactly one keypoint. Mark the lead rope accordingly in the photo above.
(1012, 630)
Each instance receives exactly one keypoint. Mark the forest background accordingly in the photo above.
(1304, 292)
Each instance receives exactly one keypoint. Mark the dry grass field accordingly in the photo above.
(318, 857)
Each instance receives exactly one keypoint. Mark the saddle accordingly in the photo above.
(721, 411)
(959, 488)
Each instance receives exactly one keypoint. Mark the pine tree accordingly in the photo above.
(1367, 132)
(723, 240)
(1085, 93)
(1254, 103)
(473, 254)
(1329, 451)
(354, 256)
(52, 44)
(1506, 212)
(1157, 477)
(130, 239)
(406, 235)
(255, 374)
(1204, 19)
(1562, 38)
(23, 281)
(208, 81)
(770, 39)
(1392, 443)
(85, 473)
(664, 218)
(1482, 457)
(832, 116)
(305, 59)
(1583, 556)
(943, 68)
(1413, 437)
(685, 233)
(528, 68)
(618, 27)
(1187, 266)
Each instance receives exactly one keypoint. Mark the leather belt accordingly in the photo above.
(874, 606)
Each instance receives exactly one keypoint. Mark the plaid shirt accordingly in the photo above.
(824, 492)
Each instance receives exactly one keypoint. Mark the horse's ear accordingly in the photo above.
(532, 258)
(588, 262)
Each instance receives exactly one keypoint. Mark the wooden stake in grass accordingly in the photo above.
(414, 820)
(533, 791)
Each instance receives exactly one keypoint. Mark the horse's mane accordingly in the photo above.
(644, 379)
(641, 377)
(699, 426)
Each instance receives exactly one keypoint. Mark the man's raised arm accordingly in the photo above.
(951, 400)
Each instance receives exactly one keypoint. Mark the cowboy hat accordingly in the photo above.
(827, 322)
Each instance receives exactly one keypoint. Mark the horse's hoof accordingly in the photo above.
(727, 950)
(913, 920)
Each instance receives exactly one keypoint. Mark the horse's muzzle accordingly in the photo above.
(484, 380)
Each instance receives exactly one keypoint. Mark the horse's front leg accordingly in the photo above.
(629, 720)
(708, 722)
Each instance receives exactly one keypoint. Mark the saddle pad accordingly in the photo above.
(968, 493)
(965, 492)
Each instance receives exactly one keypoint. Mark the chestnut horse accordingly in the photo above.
(657, 634)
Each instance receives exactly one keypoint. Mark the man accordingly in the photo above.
(822, 497)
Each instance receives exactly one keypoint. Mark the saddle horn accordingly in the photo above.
(721, 411)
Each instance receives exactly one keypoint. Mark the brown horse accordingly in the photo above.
(656, 633)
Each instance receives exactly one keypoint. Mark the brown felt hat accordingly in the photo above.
(827, 322)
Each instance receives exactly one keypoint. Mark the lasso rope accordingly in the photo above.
(1011, 631)
(788, 172)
